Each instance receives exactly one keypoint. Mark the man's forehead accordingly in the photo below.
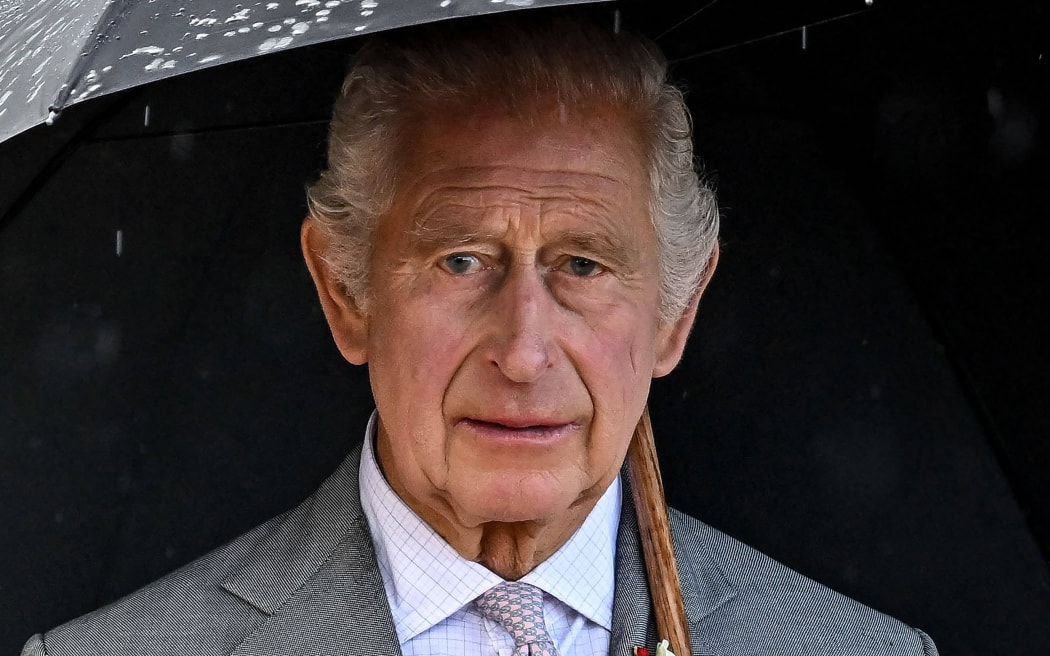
(607, 199)
(465, 178)
(462, 135)
(547, 168)
(539, 186)
(580, 200)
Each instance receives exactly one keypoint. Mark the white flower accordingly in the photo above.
(662, 650)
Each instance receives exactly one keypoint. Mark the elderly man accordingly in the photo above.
(512, 236)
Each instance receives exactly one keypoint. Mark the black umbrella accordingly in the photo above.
(170, 383)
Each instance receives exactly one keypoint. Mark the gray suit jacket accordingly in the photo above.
(307, 582)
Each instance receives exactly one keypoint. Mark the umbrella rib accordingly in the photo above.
(206, 131)
(747, 42)
(57, 160)
(685, 20)
(106, 23)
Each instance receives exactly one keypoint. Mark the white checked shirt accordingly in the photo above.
(430, 587)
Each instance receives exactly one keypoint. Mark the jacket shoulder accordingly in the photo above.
(168, 615)
(213, 604)
(771, 609)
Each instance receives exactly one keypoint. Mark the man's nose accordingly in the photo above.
(523, 320)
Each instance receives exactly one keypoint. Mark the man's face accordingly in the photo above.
(513, 330)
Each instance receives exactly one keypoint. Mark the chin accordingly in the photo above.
(516, 498)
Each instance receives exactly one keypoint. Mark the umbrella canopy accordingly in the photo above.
(57, 53)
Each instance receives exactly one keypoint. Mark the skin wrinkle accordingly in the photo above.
(453, 197)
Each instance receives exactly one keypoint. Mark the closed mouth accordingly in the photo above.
(520, 428)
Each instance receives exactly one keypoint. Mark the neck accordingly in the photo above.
(509, 549)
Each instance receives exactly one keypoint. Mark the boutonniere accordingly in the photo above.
(662, 649)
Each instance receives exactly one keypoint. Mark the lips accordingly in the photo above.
(520, 428)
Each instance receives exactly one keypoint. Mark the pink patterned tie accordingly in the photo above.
(518, 607)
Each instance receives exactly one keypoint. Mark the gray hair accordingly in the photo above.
(394, 81)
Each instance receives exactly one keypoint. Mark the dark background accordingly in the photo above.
(863, 396)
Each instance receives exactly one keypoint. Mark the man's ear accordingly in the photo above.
(348, 323)
(672, 337)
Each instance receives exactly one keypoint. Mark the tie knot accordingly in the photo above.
(518, 608)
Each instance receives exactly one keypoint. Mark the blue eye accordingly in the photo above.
(582, 267)
(460, 263)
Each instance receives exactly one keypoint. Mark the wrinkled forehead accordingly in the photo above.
(486, 173)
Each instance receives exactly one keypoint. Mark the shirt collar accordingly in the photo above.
(426, 581)
(582, 572)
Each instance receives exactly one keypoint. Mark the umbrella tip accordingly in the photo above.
(51, 116)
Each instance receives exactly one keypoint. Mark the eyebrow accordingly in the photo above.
(602, 246)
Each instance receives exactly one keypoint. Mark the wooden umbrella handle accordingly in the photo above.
(647, 488)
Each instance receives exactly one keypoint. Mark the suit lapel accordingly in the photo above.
(633, 623)
(704, 585)
(314, 575)
(342, 609)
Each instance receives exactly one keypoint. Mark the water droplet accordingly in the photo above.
(298, 28)
(239, 15)
(144, 50)
(275, 43)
